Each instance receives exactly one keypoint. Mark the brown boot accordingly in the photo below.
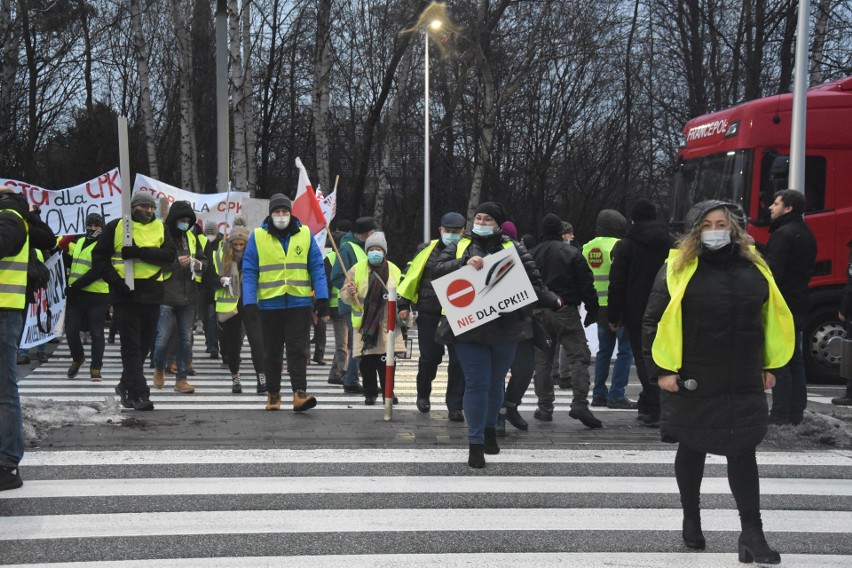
(302, 402)
(171, 368)
(159, 378)
(184, 387)
(273, 401)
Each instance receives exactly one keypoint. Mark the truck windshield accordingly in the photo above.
(724, 176)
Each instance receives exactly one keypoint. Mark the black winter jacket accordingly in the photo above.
(566, 273)
(791, 254)
(427, 301)
(723, 342)
(636, 259)
(180, 289)
(514, 326)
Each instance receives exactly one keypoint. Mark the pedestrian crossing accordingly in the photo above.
(408, 507)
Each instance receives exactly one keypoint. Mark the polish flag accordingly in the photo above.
(307, 207)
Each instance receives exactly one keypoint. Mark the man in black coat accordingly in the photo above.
(564, 272)
(636, 259)
(845, 315)
(791, 254)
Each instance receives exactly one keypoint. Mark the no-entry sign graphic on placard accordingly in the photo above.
(461, 293)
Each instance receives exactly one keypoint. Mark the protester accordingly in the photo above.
(282, 267)
(416, 291)
(636, 259)
(845, 315)
(212, 240)
(137, 310)
(568, 233)
(609, 228)
(351, 248)
(86, 302)
(791, 254)
(366, 291)
(566, 274)
(487, 351)
(339, 323)
(716, 318)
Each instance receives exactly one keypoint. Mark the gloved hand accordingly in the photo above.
(130, 251)
(559, 304)
(321, 307)
(591, 317)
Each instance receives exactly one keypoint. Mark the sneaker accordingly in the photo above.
(623, 404)
(455, 416)
(10, 478)
(143, 404)
(584, 415)
(74, 368)
(354, 388)
(95, 375)
(599, 401)
(184, 387)
(261, 383)
(842, 400)
(543, 416)
(123, 398)
(236, 384)
(273, 401)
(303, 402)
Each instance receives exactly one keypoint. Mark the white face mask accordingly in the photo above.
(281, 222)
(483, 230)
(714, 240)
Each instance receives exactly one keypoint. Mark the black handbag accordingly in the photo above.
(541, 338)
(444, 333)
(38, 275)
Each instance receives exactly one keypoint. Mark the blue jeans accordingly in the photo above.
(790, 394)
(11, 421)
(620, 373)
(485, 368)
(180, 318)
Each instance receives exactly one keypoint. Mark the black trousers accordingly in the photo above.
(742, 477)
(290, 328)
(523, 369)
(649, 398)
(80, 315)
(372, 369)
(431, 354)
(137, 325)
(233, 330)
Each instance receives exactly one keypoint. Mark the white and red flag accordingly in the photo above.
(308, 208)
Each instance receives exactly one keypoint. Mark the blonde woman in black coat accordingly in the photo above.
(715, 328)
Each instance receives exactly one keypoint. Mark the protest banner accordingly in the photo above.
(473, 297)
(254, 211)
(50, 299)
(65, 210)
(207, 206)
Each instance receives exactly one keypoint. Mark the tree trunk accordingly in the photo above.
(239, 172)
(248, 99)
(87, 53)
(188, 168)
(9, 65)
(388, 144)
(322, 72)
(823, 10)
(141, 54)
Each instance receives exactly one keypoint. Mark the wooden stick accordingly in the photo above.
(337, 252)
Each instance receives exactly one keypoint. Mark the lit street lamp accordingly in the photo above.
(434, 26)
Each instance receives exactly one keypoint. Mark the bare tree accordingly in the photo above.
(141, 53)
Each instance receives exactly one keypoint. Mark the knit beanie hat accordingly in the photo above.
(377, 239)
(493, 210)
(364, 225)
(210, 228)
(643, 210)
(239, 231)
(142, 198)
(94, 219)
(510, 230)
(567, 228)
(550, 226)
(278, 201)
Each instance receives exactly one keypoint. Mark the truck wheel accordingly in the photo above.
(821, 365)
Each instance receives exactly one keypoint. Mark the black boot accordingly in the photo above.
(476, 457)
(692, 535)
(753, 546)
(514, 418)
(491, 447)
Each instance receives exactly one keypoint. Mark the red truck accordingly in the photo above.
(741, 155)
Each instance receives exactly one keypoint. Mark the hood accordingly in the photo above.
(16, 202)
(610, 223)
(177, 210)
(652, 234)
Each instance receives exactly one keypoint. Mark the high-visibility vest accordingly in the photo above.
(151, 235)
(81, 263)
(281, 273)
(779, 331)
(334, 293)
(13, 273)
(598, 253)
(465, 242)
(410, 287)
(225, 302)
(362, 282)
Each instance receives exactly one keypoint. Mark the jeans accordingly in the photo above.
(93, 316)
(431, 355)
(180, 318)
(290, 327)
(523, 368)
(11, 420)
(567, 330)
(351, 376)
(790, 394)
(137, 324)
(485, 367)
(620, 373)
(340, 326)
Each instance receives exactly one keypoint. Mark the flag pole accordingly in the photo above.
(337, 251)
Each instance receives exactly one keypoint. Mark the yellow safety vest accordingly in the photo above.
(598, 253)
(281, 273)
(334, 293)
(778, 328)
(465, 242)
(410, 287)
(81, 263)
(152, 235)
(192, 241)
(13, 273)
(362, 282)
(225, 302)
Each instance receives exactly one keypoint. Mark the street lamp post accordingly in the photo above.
(434, 26)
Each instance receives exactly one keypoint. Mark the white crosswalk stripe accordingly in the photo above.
(389, 507)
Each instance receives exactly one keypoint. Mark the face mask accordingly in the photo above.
(568, 241)
(142, 216)
(93, 233)
(375, 257)
(183, 227)
(714, 240)
(483, 230)
(450, 238)
(281, 223)
(211, 238)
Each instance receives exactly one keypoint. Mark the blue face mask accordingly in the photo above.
(375, 257)
(450, 238)
(183, 227)
(483, 230)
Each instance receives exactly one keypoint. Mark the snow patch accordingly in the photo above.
(41, 416)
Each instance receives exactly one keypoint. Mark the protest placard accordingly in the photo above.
(50, 299)
(473, 297)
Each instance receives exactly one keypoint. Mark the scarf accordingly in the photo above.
(374, 304)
